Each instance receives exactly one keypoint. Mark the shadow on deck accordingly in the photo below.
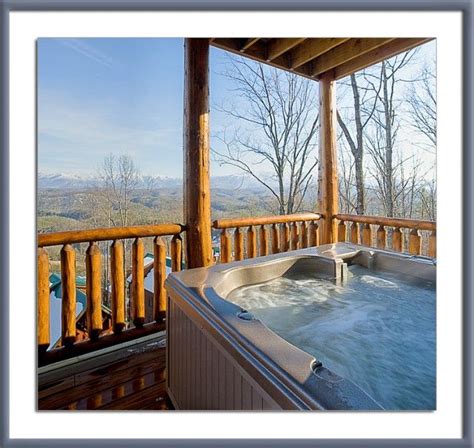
(126, 377)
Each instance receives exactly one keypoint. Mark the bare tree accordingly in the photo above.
(422, 107)
(364, 103)
(385, 127)
(277, 131)
(119, 177)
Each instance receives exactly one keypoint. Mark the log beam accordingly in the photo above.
(197, 200)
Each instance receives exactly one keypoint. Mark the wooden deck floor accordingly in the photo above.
(132, 378)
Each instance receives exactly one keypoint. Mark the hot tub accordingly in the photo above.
(337, 326)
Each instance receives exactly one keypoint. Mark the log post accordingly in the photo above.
(432, 244)
(275, 239)
(68, 303)
(381, 237)
(285, 237)
(294, 236)
(355, 234)
(93, 290)
(118, 286)
(304, 235)
(197, 200)
(414, 243)
(226, 247)
(159, 276)
(341, 232)
(313, 237)
(138, 278)
(251, 242)
(327, 173)
(263, 234)
(176, 249)
(366, 235)
(397, 239)
(238, 244)
(43, 299)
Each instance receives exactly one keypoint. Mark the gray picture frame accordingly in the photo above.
(463, 6)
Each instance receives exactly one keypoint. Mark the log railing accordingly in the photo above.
(123, 328)
(416, 237)
(265, 235)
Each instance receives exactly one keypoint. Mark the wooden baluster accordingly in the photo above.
(263, 233)
(176, 250)
(414, 243)
(341, 232)
(68, 286)
(159, 277)
(43, 299)
(294, 236)
(432, 244)
(238, 244)
(251, 242)
(94, 290)
(313, 231)
(381, 237)
(275, 239)
(304, 234)
(138, 277)
(118, 286)
(397, 240)
(355, 233)
(226, 247)
(285, 237)
(367, 235)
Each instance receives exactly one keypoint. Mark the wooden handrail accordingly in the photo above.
(97, 336)
(389, 222)
(264, 220)
(107, 234)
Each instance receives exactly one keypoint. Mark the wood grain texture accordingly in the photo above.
(390, 222)
(43, 300)
(275, 239)
(313, 234)
(138, 277)
(263, 241)
(68, 299)
(159, 277)
(251, 242)
(414, 243)
(263, 220)
(397, 240)
(107, 234)
(118, 286)
(136, 380)
(432, 244)
(294, 238)
(226, 247)
(381, 237)
(366, 235)
(176, 249)
(341, 232)
(94, 290)
(285, 238)
(238, 244)
(197, 197)
(328, 193)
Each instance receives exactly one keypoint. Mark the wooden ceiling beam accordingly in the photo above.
(386, 51)
(276, 47)
(248, 43)
(313, 48)
(345, 52)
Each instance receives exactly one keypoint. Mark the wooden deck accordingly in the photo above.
(131, 377)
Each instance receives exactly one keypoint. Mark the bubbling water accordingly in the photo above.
(377, 330)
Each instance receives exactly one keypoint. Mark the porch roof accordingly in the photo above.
(313, 58)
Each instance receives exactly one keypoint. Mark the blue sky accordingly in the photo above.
(120, 95)
(97, 96)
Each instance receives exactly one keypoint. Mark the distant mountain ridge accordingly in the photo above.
(76, 182)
